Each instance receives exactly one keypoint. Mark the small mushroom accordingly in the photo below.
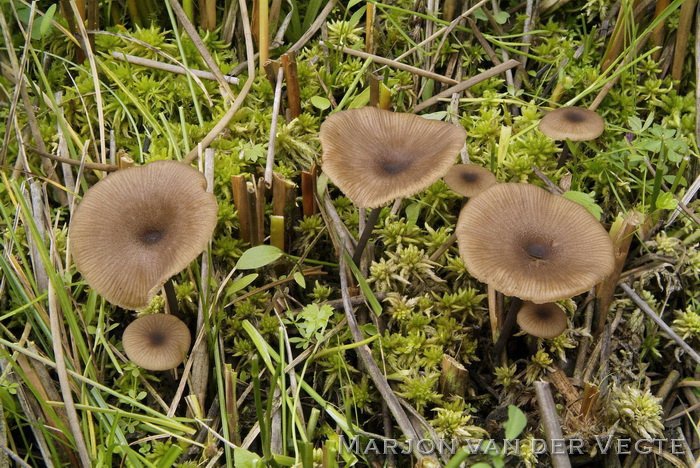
(571, 123)
(157, 341)
(138, 227)
(533, 245)
(375, 156)
(469, 180)
(542, 320)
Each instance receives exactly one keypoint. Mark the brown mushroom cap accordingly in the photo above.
(375, 156)
(528, 243)
(542, 320)
(138, 227)
(157, 341)
(574, 123)
(469, 180)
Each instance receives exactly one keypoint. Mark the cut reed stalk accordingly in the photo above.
(289, 63)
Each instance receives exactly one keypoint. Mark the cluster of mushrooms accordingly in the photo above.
(140, 226)
(131, 233)
(518, 238)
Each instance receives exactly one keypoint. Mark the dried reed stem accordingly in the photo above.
(552, 427)
(273, 128)
(144, 62)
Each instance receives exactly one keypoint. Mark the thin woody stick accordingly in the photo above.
(552, 426)
(652, 315)
(74, 162)
(468, 83)
(144, 62)
(397, 65)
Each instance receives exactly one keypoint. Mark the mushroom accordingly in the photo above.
(138, 227)
(469, 180)
(533, 245)
(157, 341)
(571, 123)
(375, 156)
(542, 320)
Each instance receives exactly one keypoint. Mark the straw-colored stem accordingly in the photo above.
(369, 28)
(264, 33)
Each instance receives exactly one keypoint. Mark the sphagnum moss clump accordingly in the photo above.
(637, 410)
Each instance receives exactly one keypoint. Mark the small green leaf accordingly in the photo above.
(45, 25)
(665, 201)
(245, 459)
(258, 257)
(319, 102)
(299, 278)
(501, 17)
(481, 465)
(440, 115)
(635, 124)
(369, 329)
(480, 15)
(321, 185)
(241, 283)
(516, 422)
(361, 100)
(412, 212)
(586, 200)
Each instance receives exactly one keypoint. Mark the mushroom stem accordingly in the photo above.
(171, 297)
(507, 326)
(366, 233)
(564, 156)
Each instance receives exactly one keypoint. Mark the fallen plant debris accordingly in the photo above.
(209, 165)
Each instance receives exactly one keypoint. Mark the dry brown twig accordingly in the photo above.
(468, 83)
